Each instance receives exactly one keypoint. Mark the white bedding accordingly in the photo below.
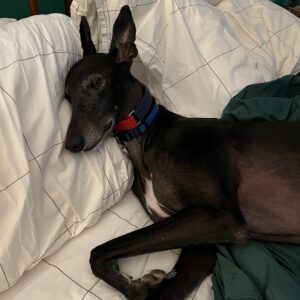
(47, 195)
(194, 57)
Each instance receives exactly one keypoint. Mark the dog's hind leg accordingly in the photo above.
(193, 265)
(192, 226)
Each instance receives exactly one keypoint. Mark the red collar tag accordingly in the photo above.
(126, 124)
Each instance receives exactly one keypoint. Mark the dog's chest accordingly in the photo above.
(152, 204)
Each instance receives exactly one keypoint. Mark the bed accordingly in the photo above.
(56, 206)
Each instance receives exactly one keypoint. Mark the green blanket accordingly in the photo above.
(261, 270)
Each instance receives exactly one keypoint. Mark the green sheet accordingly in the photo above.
(261, 270)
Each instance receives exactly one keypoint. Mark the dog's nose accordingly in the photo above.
(75, 143)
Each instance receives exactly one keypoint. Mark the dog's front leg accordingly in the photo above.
(192, 226)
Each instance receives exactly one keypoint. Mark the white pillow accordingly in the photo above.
(47, 194)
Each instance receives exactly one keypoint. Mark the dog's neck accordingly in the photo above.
(132, 99)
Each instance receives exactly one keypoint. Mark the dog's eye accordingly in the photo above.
(95, 82)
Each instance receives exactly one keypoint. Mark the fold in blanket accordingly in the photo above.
(261, 270)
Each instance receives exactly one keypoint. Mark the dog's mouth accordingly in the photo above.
(107, 126)
(106, 131)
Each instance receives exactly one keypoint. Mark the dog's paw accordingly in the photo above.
(154, 278)
(149, 282)
(151, 279)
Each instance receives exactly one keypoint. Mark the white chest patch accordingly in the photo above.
(152, 204)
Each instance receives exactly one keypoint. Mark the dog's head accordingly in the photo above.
(97, 82)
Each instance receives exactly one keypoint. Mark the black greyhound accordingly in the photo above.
(204, 181)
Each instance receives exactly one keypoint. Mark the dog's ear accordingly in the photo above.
(85, 36)
(122, 47)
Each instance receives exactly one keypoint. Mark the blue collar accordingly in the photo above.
(139, 120)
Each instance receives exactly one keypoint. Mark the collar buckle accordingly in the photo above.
(133, 114)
